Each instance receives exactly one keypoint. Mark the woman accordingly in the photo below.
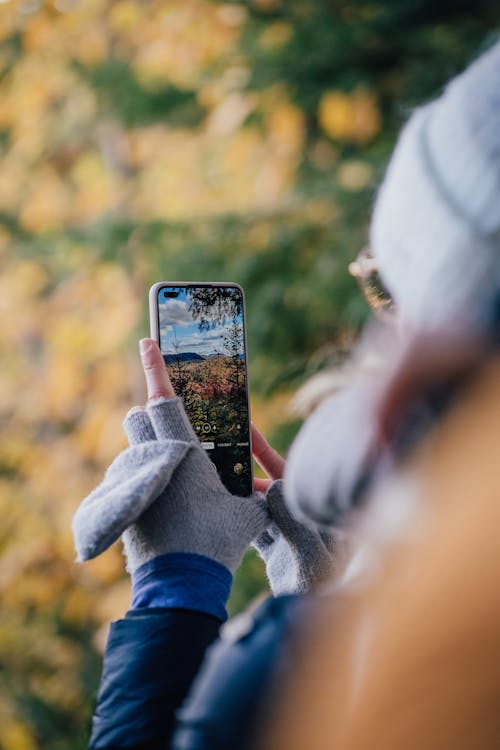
(435, 239)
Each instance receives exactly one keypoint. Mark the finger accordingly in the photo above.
(157, 378)
(267, 458)
(261, 485)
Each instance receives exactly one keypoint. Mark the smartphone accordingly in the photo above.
(200, 329)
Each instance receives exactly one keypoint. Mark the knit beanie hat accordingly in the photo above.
(435, 231)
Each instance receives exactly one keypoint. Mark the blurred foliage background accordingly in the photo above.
(171, 140)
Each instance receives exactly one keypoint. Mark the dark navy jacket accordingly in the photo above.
(162, 689)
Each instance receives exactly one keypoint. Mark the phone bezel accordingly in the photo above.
(154, 324)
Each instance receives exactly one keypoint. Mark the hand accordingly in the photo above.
(163, 492)
(297, 558)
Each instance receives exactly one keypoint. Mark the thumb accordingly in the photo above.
(157, 378)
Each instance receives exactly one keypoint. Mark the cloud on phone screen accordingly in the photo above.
(175, 313)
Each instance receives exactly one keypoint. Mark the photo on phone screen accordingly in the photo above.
(202, 339)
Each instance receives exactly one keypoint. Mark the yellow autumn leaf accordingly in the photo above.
(116, 602)
(366, 120)
(34, 84)
(179, 41)
(13, 451)
(335, 114)
(354, 175)
(274, 177)
(64, 385)
(242, 151)
(89, 169)
(323, 154)
(210, 93)
(232, 15)
(104, 570)
(75, 608)
(144, 143)
(40, 33)
(12, 181)
(125, 16)
(267, 412)
(100, 436)
(46, 203)
(61, 688)
(55, 470)
(17, 735)
(171, 183)
(349, 117)
(94, 313)
(286, 127)
(70, 338)
(91, 47)
(275, 35)
(8, 20)
(113, 375)
(96, 192)
(258, 236)
(321, 211)
(21, 283)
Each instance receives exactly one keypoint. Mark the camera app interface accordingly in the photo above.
(202, 341)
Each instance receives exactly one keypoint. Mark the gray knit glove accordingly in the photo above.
(164, 495)
(297, 558)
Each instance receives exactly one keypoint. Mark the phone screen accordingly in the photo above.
(202, 339)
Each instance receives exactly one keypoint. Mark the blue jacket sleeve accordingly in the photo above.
(233, 695)
(156, 694)
(151, 658)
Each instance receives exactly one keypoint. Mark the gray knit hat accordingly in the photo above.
(435, 231)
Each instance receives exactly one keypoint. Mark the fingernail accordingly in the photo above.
(145, 345)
